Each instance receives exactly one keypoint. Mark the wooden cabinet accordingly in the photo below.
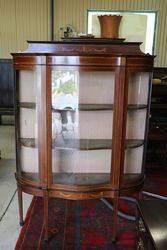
(81, 120)
(152, 233)
(157, 136)
(6, 91)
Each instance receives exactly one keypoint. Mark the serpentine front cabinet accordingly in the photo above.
(81, 120)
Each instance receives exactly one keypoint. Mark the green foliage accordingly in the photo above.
(68, 87)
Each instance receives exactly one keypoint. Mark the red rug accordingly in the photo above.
(83, 225)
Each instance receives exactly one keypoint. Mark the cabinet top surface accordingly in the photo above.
(155, 217)
(106, 47)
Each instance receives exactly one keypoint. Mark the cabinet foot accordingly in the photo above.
(46, 215)
(21, 223)
(20, 202)
(115, 217)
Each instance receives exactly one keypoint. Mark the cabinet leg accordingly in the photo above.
(140, 195)
(20, 202)
(46, 215)
(115, 217)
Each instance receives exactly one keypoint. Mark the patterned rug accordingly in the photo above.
(83, 225)
(75, 225)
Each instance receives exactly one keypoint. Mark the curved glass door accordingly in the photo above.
(138, 91)
(82, 119)
(27, 131)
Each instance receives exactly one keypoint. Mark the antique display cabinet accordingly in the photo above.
(81, 120)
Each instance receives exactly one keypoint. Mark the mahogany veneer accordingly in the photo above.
(57, 155)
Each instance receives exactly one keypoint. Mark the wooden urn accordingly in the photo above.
(109, 25)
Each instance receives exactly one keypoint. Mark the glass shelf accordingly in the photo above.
(83, 178)
(83, 144)
(85, 107)
(27, 105)
(136, 106)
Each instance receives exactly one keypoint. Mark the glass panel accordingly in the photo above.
(28, 134)
(138, 88)
(82, 118)
(136, 120)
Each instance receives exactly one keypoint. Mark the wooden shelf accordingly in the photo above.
(84, 107)
(82, 144)
(27, 105)
(87, 107)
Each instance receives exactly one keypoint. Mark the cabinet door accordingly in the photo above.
(28, 81)
(82, 120)
(138, 93)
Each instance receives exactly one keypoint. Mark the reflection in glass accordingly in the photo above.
(133, 160)
(82, 117)
(28, 133)
(138, 88)
(64, 89)
(64, 103)
(136, 119)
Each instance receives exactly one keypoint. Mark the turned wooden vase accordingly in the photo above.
(109, 25)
